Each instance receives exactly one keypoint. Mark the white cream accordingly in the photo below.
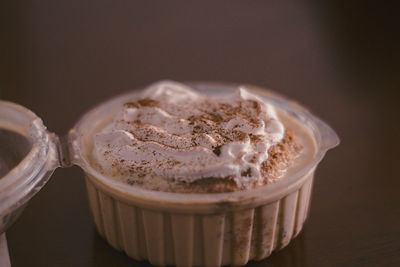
(177, 132)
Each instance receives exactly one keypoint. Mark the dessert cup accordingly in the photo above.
(207, 229)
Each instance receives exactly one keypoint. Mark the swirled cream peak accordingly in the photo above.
(176, 133)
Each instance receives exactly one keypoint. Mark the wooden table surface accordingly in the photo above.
(59, 58)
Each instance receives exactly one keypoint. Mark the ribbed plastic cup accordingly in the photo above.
(210, 229)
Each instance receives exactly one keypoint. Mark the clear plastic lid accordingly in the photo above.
(28, 156)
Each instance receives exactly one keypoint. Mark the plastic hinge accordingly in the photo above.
(64, 154)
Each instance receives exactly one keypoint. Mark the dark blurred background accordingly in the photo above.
(340, 59)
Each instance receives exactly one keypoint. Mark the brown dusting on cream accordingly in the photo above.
(246, 173)
(254, 138)
(279, 157)
(209, 121)
(145, 102)
(217, 150)
(211, 185)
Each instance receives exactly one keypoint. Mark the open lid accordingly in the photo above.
(28, 156)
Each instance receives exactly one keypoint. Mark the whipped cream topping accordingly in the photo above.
(176, 133)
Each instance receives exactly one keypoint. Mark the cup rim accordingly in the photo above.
(325, 139)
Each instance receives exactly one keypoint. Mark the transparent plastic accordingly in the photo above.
(34, 159)
(199, 229)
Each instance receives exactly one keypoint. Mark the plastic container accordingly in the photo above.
(27, 176)
(163, 227)
(28, 157)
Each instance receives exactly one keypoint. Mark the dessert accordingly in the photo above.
(173, 138)
(201, 175)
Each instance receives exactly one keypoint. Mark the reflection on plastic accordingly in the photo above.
(13, 149)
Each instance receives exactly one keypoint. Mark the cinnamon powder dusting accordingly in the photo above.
(145, 102)
(208, 129)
